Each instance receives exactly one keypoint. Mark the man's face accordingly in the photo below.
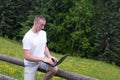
(40, 25)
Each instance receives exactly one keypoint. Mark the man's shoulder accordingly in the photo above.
(27, 34)
(42, 31)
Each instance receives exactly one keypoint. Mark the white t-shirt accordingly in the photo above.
(35, 43)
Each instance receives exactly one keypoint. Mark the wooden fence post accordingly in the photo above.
(63, 74)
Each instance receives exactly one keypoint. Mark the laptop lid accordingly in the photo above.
(61, 60)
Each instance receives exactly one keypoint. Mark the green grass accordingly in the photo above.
(87, 67)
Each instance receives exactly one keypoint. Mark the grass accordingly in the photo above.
(87, 67)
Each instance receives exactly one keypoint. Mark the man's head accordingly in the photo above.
(39, 23)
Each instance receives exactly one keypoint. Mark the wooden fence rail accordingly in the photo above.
(63, 74)
(4, 77)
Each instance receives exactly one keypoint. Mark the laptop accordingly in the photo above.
(59, 61)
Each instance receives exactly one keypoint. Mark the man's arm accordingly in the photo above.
(29, 57)
(47, 53)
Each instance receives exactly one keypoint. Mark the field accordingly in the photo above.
(87, 67)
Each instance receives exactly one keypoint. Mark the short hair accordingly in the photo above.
(38, 18)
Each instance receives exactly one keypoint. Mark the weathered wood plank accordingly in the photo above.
(63, 74)
(4, 77)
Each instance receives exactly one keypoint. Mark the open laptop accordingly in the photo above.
(59, 61)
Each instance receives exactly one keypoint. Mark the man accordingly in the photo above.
(36, 52)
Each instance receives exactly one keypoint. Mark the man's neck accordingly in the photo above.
(34, 30)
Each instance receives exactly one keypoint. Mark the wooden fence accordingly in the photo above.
(4, 77)
(63, 74)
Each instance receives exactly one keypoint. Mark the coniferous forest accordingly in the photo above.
(84, 28)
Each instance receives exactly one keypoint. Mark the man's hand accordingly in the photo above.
(47, 60)
(54, 59)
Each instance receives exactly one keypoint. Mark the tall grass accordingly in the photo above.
(87, 67)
